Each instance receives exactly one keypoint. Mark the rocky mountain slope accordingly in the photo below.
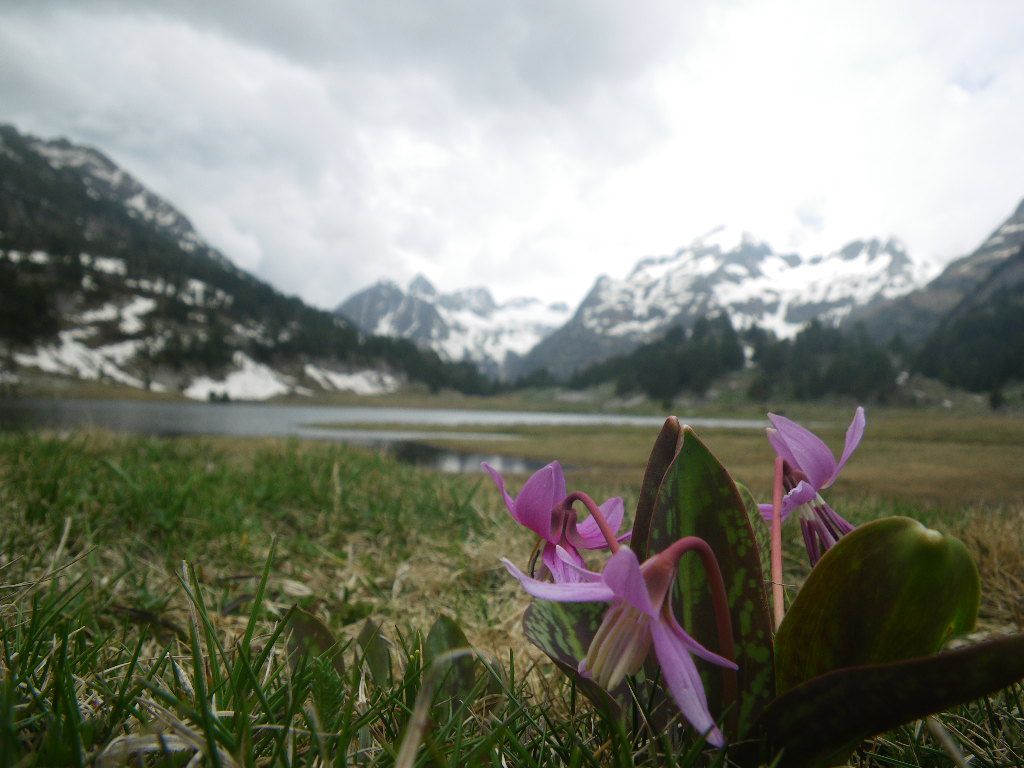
(968, 279)
(979, 343)
(728, 272)
(462, 325)
(102, 279)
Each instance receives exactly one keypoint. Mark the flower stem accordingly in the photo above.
(720, 600)
(778, 601)
(597, 514)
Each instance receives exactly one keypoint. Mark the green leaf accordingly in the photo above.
(666, 448)
(564, 631)
(762, 531)
(821, 721)
(308, 636)
(699, 498)
(446, 636)
(892, 589)
(376, 652)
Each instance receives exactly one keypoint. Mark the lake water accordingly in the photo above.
(268, 420)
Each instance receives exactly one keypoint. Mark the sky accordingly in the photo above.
(531, 146)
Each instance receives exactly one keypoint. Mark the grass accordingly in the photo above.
(923, 459)
(111, 648)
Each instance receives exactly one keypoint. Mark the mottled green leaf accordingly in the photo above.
(892, 589)
(564, 631)
(309, 636)
(762, 531)
(699, 498)
(821, 721)
(665, 449)
(376, 652)
(446, 636)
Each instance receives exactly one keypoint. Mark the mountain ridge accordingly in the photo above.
(729, 271)
(465, 324)
(913, 316)
(102, 279)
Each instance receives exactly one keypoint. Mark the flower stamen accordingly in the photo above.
(620, 646)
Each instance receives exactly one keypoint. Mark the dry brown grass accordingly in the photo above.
(996, 539)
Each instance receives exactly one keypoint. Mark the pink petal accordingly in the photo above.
(622, 574)
(694, 647)
(589, 533)
(571, 592)
(574, 561)
(564, 569)
(853, 435)
(776, 442)
(809, 454)
(684, 682)
(767, 510)
(500, 482)
(535, 503)
(796, 498)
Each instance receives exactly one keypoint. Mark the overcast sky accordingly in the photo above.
(530, 146)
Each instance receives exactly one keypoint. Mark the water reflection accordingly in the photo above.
(266, 420)
(456, 462)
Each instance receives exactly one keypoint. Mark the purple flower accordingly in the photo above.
(539, 506)
(639, 616)
(809, 467)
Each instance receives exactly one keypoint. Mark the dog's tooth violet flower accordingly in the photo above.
(809, 467)
(639, 617)
(540, 506)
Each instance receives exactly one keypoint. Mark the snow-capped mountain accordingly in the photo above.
(104, 180)
(461, 325)
(102, 279)
(969, 279)
(726, 271)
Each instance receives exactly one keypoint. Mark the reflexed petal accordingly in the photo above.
(804, 493)
(534, 504)
(622, 575)
(500, 482)
(684, 682)
(797, 497)
(588, 531)
(692, 645)
(571, 592)
(767, 510)
(853, 436)
(810, 455)
(776, 442)
(574, 561)
(564, 569)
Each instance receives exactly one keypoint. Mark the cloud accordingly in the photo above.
(531, 145)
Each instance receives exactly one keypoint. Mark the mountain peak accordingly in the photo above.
(467, 324)
(478, 300)
(420, 286)
(728, 271)
(873, 249)
(727, 239)
(917, 314)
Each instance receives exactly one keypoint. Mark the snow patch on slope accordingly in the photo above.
(364, 382)
(131, 314)
(249, 381)
(71, 356)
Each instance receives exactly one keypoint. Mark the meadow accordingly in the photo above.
(157, 595)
